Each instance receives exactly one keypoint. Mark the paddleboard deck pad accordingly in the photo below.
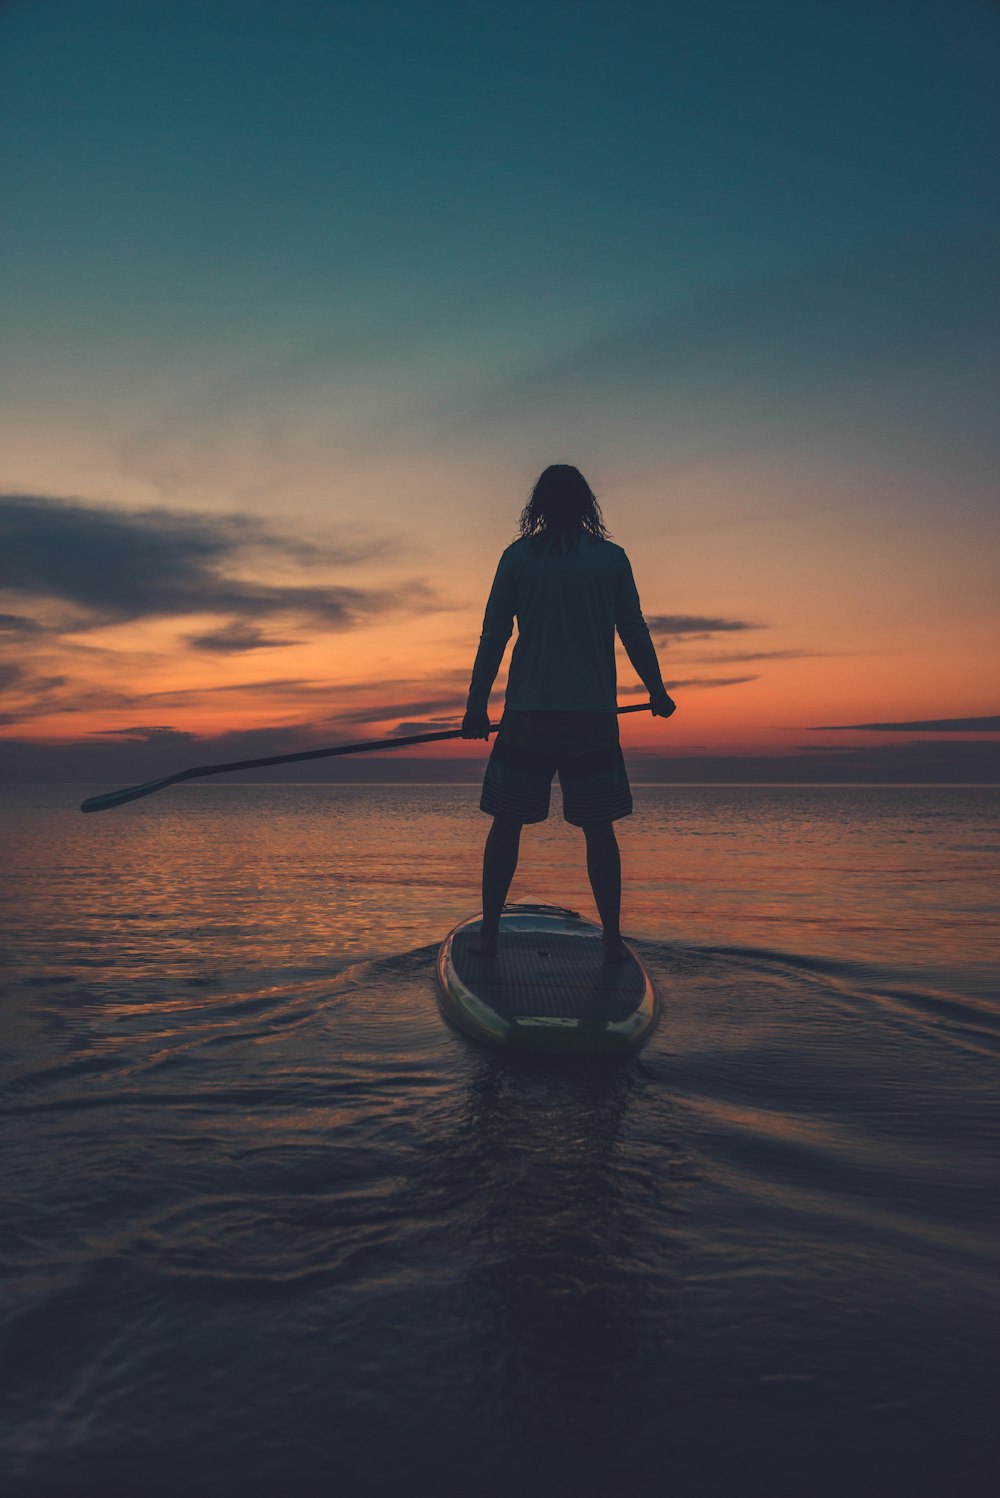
(548, 988)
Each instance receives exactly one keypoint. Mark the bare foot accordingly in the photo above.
(615, 950)
(485, 944)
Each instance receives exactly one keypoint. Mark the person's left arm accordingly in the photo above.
(639, 648)
(498, 626)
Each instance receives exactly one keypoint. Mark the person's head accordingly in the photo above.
(562, 503)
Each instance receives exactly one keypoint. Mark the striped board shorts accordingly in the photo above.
(531, 746)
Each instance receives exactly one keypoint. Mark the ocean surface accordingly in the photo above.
(270, 1226)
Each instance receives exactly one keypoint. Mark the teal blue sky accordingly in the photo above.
(189, 183)
(360, 270)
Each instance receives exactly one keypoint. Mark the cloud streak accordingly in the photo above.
(234, 639)
(144, 733)
(701, 683)
(743, 657)
(689, 684)
(429, 725)
(698, 626)
(99, 566)
(987, 724)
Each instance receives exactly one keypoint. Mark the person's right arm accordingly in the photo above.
(634, 634)
(498, 626)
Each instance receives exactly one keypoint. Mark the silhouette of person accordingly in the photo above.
(569, 588)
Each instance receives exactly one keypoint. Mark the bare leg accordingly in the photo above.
(604, 866)
(499, 863)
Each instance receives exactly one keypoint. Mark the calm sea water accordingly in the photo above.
(270, 1226)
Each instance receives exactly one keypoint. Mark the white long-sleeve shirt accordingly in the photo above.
(568, 605)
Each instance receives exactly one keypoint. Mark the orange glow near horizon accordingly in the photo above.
(828, 623)
(332, 688)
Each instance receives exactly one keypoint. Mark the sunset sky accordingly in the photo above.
(299, 298)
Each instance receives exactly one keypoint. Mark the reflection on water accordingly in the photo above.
(563, 1296)
(274, 1227)
(310, 874)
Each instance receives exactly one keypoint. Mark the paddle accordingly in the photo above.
(134, 792)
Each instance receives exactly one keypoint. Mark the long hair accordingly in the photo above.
(560, 506)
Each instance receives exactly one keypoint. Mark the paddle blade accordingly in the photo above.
(130, 793)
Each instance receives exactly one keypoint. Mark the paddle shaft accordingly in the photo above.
(198, 772)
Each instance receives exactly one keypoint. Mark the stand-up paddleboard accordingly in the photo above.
(548, 988)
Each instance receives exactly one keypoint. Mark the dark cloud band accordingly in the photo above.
(677, 625)
(988, 724)
(91, 565)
